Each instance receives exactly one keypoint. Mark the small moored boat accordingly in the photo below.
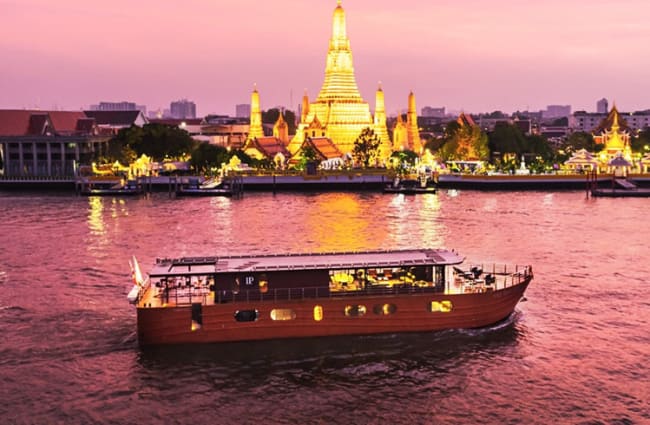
(254, 297)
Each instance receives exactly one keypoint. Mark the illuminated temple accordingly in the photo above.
(339, 114)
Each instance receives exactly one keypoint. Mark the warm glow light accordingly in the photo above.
(318, 313)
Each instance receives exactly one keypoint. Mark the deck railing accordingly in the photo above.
(494, 277)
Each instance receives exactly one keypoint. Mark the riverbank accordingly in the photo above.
(341, 181)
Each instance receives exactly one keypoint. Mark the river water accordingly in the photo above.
(576, 352)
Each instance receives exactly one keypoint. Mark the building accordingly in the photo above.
(556, 111)
(118, 106)
(590, 121)
(339, 112)
(602, 106)
(430, 112)
(182, 109)
(612, 133)
(243, 110)
(110, 122)
(48, 143)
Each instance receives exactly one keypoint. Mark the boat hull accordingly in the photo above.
(409, 313)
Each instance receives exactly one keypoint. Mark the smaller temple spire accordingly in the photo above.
(413, 132)
(255, 130)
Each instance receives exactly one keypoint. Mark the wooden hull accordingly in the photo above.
(411, 313)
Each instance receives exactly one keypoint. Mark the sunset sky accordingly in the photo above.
(471, 55)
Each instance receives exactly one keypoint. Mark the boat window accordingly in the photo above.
(246, 315)
(439, 277)
(264, 283)
(441, 306)
(355, 310)
(283, 314)
(318, 313)
(384, 309)
(197, 317)
(344, 280)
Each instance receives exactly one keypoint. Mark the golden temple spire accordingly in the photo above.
(380, 125)
(339, 102)
(339, 72)
(414, 142)
(304, 111)
(255, 130)
(281, 129)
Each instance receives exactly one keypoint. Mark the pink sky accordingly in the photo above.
(470, 55)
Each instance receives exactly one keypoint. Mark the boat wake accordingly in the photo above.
(506, 323)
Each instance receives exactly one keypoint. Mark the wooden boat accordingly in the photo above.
(411, 186)
(210, 187)
(236, 298)
(128, 188)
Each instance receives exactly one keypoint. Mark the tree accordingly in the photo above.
(403, 160)
(120, 146)
(506, 138)
(464, 142)
(538, 145)
(366, 147)
(641, 143)
(271, 116)
(207, 156)
(159, 141)
(581, 140)
(308, 155)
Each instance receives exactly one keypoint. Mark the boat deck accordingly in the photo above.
(200, 291)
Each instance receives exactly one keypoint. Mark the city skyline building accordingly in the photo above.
(602, 106)
(118, 106)
(243, 110)
(181, 109)
(556, 111)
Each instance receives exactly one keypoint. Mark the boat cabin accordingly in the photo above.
(293, 276)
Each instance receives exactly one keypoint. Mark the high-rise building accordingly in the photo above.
(557, 111)
(602, 106)
(243, 110)
(182, 109)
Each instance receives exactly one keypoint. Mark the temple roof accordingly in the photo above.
(14, 122)
(324, 147)
(614, 117)
(114, 118)
(268, 146)
(465, 120)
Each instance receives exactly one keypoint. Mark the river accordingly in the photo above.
(575, 352)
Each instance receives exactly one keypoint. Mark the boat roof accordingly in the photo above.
(315, 261)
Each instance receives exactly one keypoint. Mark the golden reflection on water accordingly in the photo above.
(340, 223)
(96, 215)
(430, 227)
(415, 221)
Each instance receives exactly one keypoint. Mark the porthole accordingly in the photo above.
(283, 314)
(355, 310)
(318, 313)
(384, 309)
(441, 306)
(246, 315)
